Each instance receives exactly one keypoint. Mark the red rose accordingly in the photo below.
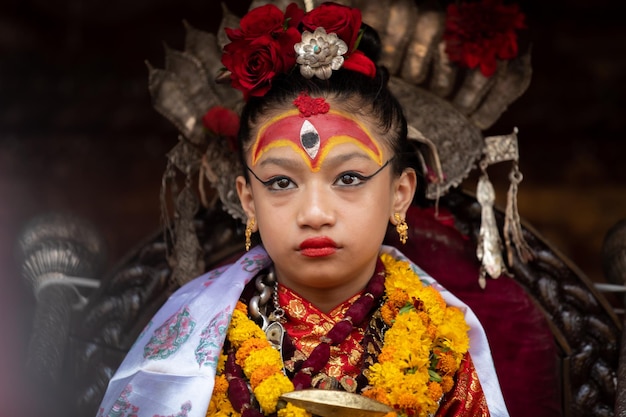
(254, 63)
(264, 20)
(478, 34)
(335, 18)
(293, 15)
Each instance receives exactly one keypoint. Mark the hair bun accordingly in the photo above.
(370, 43)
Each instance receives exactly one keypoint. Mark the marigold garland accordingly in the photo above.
(262, 366)
(422, 352)
(412, 377)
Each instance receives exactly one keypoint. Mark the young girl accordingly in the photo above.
(320, 303)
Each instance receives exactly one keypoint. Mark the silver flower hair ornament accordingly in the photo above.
(320, 53)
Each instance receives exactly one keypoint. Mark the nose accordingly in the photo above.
(315, 208)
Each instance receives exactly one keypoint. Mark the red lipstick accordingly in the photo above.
(316, 247)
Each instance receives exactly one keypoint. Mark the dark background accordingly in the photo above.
(78, 133)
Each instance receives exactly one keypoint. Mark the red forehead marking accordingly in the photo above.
(334, 128)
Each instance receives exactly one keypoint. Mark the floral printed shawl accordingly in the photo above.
(170, 370)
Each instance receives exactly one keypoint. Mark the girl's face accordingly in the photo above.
(322, 193)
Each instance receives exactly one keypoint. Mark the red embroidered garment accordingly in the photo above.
(306, 325)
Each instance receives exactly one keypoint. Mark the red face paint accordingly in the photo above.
(313, 142)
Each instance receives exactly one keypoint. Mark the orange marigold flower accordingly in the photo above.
(376, 393)
(241, 307)
(398, 298)
(434, 391)
(387, 354)
(446, 363)
(424, 317)
(408, 401)
(262, 373)
(388, 314)
(431, 330)
(248, 347)
(221, 385)
(447, 383)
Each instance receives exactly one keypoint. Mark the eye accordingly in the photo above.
(350, 179)
(280, 183)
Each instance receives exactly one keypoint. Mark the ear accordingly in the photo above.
(403, 192)
(244, 191)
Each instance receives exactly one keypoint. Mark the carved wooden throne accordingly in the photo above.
(555, 339)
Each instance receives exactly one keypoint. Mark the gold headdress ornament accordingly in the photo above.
(449, 96)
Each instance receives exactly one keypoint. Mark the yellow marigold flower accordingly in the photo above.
(293, 411)
(221, 361)
(416, 382)
(384, 374)
(242, 328)
(261, 373)
(447, 383)
(268, 391)
(411, 351)
(266, 356)
(403, 277)
(434, 391)
(212, 407)
(220, 406)
(434, 304)
(248, 347)
(454, 330)
(221, 385)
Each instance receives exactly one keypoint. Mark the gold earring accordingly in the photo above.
(249, 227)
(401, 227)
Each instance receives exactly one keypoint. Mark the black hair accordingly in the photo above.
(357, 93)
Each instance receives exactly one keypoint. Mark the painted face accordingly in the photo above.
(314, 137)
(322, 216)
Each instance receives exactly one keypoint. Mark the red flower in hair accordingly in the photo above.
(222, 122)
(261, 48)
(254, 63)
(478, 34)
(266, 20)
(335, 18)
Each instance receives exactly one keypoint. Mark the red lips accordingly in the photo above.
(316, 247)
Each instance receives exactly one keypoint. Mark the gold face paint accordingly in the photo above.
(313, 137)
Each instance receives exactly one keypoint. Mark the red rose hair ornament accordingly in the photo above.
(268, 42)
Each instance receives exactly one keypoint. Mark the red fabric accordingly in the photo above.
(467, 398)
(523, 347)
(307, 324)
